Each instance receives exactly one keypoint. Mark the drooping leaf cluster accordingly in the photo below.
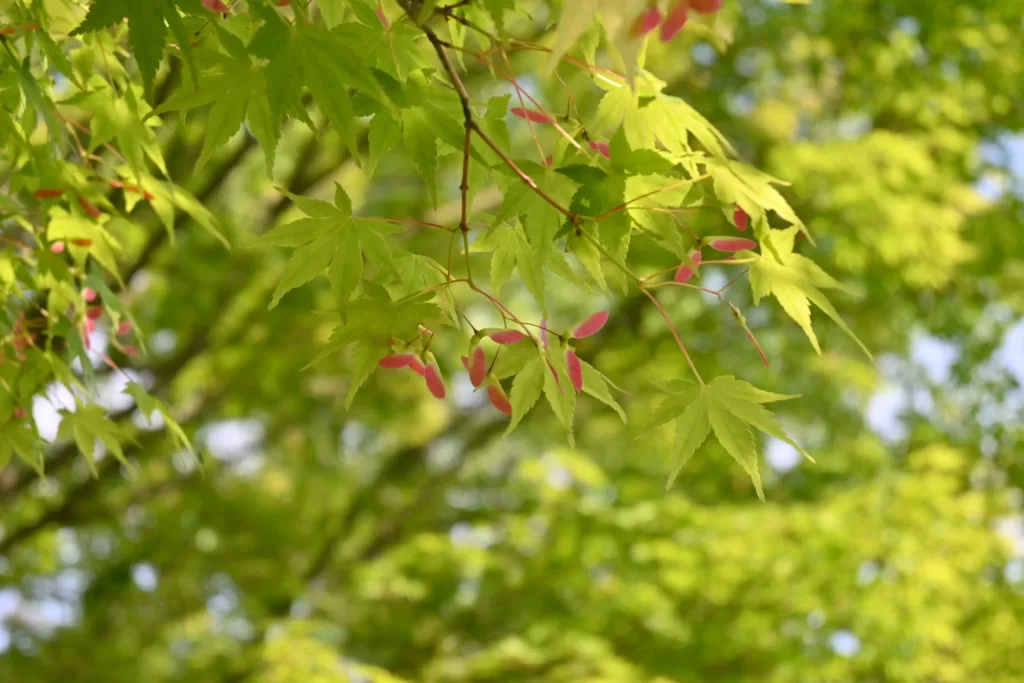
(89, 94)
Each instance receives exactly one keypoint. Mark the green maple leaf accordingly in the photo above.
(673, 121)
(558, 390)
(510, 249)
(149, 404)
(104, 246)
(526, 387)
(365, 360)
(421, 145)
(616, 17)
(148, 21)
(729, 408)
(513, 359)
(376, 323)
(597, 385)
(88, 424)
(18, 437)
(102, 14)
(385, 132)
(331, 68)
(795, 281)
(330, 236)
(225, 119)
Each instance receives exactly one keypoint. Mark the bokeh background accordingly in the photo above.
(403, 539)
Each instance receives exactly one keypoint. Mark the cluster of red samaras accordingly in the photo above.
(544, 117)
(93, 313)
(88, 207)
(741, 220)
(476, 362)
(673, 22)
(23, 336)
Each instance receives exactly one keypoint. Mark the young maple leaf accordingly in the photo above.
(796, 281)
(728, 407)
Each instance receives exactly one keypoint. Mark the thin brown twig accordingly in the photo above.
(520, 91)
(672, 329)
(464, 189)
(470, 122)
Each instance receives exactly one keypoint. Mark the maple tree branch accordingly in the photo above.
(464, 189)
(471, 123)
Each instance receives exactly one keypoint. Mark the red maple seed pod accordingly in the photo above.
(706, 6)
(417, 366)
(89, 208)
(535, 116)
(507, 336)
(572, 362)
(148, 196)
(498, 398)
(731, 244)
(94, 312)
(591, 325)
(477, 367)
(81, 242)
(601, 147)
(646, 22)
(7, 31)
(130, 351)
(675, 20)
(216, 6)
(124, 328)
(116, 184)
(741, 219)
(58, 247)
(434, 382)
(89, 294)
(47, 193)
(685, 271)
(396, 360)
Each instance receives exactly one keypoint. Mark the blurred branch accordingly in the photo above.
(409, 460)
